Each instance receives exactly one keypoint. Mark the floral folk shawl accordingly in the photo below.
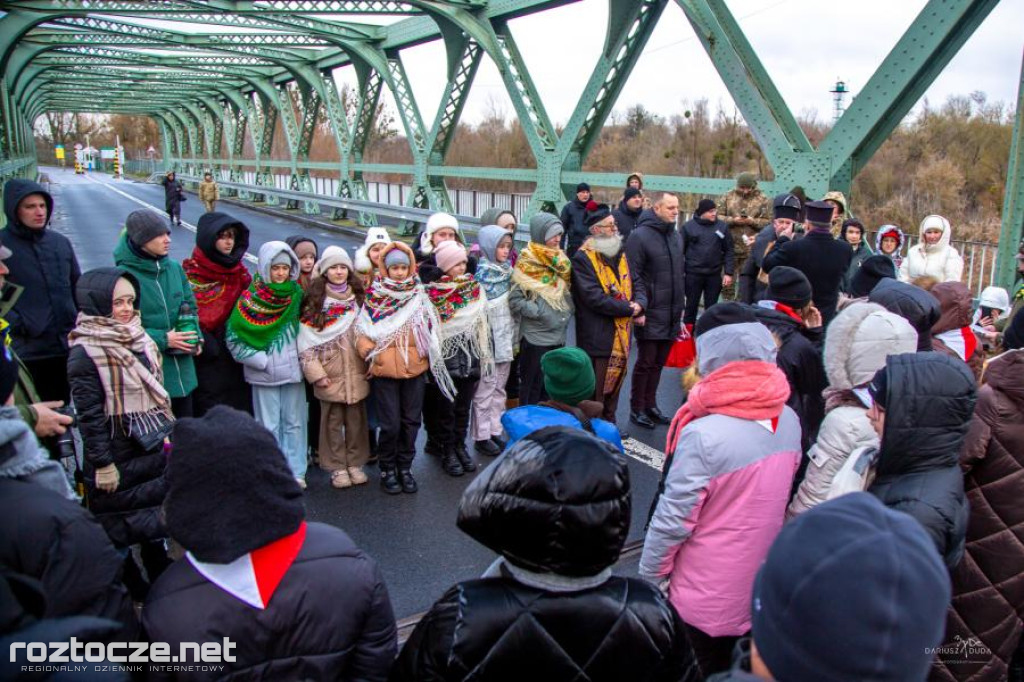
(393, 313)
(462, 308)
(216, 288)
(544, 272)
(266, 316)
(495, 278)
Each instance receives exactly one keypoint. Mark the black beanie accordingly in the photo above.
(788, 286)
(1013, 337)
(630, 193)
(143, 226)
(703, 206)
(850, 590)
(879, 388)
(721, 314)
(228, 496)
(596, 213)
(871, 271)
(582, 187)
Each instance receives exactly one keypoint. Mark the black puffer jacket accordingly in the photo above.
(51, 538)
(596, 310)
(557, 506)
(929, 405)
(707, 246)
(800, 359)
(44, 263)
(914, 304)
(316, 626)
(822, 258)
(655, 252)
(131, 513)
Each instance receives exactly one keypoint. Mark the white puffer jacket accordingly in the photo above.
(940, 260)
(857, 343)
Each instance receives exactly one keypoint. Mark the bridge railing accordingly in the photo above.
(387, 201)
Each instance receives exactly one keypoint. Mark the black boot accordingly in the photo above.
(488, 448)
(389, 481)
(465, 459)
(433, 448)
(407, 481)
(450, 462)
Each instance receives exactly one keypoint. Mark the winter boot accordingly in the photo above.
(487, 447)
(389, 481)
(433, 448)
(450, 462)
(465, 459)
(407, 481)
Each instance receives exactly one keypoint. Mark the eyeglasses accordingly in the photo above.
(607, 225)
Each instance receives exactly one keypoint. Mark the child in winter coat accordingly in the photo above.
(398, 334)
(494, 272)
(367, 256)
(466, 344)
(889, 242)
(307, 251)
(858, 341)
(261, 335)
(540, 301)
(327, 351)
(115, 371)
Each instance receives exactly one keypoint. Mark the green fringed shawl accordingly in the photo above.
(266, 316)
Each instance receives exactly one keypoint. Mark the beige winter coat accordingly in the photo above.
(859, 340)
(208, 191)
(340, 362)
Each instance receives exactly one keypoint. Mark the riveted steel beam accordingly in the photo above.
(1011, 233)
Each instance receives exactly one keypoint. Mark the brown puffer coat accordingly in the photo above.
(338, 360)
(988, 585)
(955, 303)
(390, 364)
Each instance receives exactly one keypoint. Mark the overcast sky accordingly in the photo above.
(805, 45)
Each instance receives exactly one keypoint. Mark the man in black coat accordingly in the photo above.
(44, 264)
(819, 255)
(707, 248)
(556, 507)
(655, 252)
(786, 212)
(601, 294)
(629, 210)
(298, 600)
(572, 217)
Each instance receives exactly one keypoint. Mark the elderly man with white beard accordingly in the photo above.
(602, 291)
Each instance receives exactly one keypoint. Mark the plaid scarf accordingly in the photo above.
(266, 316)
(129, 388)
(619, 286)
(216, 288)
(544, 272)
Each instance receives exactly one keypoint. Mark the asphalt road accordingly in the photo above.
(412, 537)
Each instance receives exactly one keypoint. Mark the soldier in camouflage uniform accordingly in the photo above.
(745, 210)
(839, 212)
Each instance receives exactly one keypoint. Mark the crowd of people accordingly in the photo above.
(839, 498)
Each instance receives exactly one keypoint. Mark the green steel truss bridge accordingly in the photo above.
(263, 60)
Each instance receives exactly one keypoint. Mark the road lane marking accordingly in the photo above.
(188, 226)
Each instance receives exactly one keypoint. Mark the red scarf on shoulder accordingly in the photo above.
(216, 288)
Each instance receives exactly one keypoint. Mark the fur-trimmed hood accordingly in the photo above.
(859, 340)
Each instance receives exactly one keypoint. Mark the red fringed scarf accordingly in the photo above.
(216, 288)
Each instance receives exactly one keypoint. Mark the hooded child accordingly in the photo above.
(398, 331)
(331, 363)
(261, 335)
(218, 277)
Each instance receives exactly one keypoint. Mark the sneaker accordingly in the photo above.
(407, 481)
(357, 475)
(450, 462)
(301, 482)
(341, 479)
(487, 448)
(389, 481)
(465, 459)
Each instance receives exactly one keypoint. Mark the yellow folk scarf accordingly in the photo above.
(544, 272)
(618, 285)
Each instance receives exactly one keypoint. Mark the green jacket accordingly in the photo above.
(163, 289)
(25, 390)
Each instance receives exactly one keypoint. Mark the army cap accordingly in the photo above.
(747, 180)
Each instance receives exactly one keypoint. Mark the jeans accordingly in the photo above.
(282, 411)
(707, 286)
(650, 360)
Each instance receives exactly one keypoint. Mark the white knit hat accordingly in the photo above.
(332, 255)
(434, 223)
(376, 235)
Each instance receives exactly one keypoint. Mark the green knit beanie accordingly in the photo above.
(568, 375)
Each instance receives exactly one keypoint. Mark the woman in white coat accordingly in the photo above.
(856, 345)
(932, 255)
